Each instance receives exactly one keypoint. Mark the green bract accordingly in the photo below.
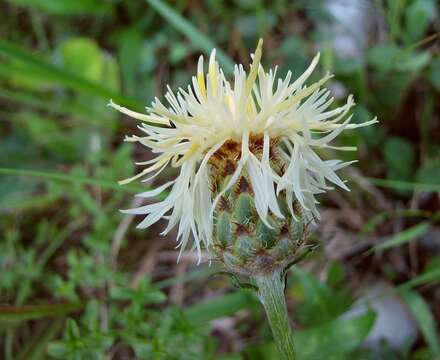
(242, 241)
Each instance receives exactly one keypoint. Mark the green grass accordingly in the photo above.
(79, 281)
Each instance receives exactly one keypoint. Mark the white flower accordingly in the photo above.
(199, 120)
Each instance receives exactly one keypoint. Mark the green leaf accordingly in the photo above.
(254, 23)
(145, 293)
(36, 348)
(403, 237)
(429, 173)
(129, 50)
(318, 302)
(383, 56)
(434, 73)
(335, 274)
(336, 337)
(24, 313)
(389, 88)
(48, 134)
(199, 39)
(220, 306)
(35, 65)
(412, 61)
(425, 319)
(400, 157)
(110, 75)
(418, 15)
(387, 57)
(82, 56)
(80, 343)
(72, 329)
(65, 7)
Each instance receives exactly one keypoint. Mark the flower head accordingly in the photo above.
(243, 125)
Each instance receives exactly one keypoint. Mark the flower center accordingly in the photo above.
(225, 159)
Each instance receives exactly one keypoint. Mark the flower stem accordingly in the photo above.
(271, 295)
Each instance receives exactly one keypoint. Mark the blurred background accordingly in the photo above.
(78, 281)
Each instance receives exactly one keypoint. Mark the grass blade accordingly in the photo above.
(199, 39)
(66, 7)
(422, 313)
(24, 313)
(431, 277)
(381, 217)
(106, 184)
(403, 237)
(403, 185)
(36, 349)
(57, 107)
(40, 67)
(33, 202)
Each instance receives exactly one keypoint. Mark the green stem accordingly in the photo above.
(271, 295)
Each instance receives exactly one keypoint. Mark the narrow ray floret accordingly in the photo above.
(257, 132)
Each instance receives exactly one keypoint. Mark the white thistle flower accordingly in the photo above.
(199, 120)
